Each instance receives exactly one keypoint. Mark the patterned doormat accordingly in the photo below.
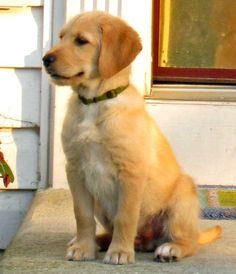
(217, 202)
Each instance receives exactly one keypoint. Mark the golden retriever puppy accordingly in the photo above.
(120, 167)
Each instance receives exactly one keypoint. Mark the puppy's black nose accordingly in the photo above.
(48, 60)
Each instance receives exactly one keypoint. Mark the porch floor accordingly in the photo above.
(40, 244)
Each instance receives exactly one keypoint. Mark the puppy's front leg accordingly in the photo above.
(121, 249)
(83, 246)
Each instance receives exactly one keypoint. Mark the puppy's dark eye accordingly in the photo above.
(80, 41)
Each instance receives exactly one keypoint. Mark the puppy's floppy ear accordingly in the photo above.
(119, 46)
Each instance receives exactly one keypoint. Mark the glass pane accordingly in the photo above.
(198, 34)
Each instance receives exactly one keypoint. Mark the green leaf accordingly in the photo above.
(5, 169)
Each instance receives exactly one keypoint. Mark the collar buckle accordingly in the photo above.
(111, 94)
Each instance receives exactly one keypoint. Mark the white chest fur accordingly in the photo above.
(84, 145)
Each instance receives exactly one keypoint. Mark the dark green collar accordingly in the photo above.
(107, 95)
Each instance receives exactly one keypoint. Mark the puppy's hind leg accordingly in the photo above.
(182, 225)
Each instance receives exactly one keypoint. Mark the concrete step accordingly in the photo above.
(40, 244)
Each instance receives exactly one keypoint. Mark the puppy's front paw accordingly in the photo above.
(81, 251)
(119, 257)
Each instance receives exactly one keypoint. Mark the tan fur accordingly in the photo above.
(120, 167)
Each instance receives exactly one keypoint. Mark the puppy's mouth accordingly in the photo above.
(61, 77)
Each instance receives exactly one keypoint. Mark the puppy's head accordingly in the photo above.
(93, 44)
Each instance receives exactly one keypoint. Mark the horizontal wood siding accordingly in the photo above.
(20, 74)
(20, 3)
(22, 32)
(20, 103)
(25, 32)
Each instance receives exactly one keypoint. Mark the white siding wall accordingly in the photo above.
(20, 103)
(203, 136)
(18, 24)
(23, 127)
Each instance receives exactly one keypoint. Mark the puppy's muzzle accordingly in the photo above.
(49, 61)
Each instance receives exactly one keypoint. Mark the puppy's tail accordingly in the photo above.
(209, 235)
